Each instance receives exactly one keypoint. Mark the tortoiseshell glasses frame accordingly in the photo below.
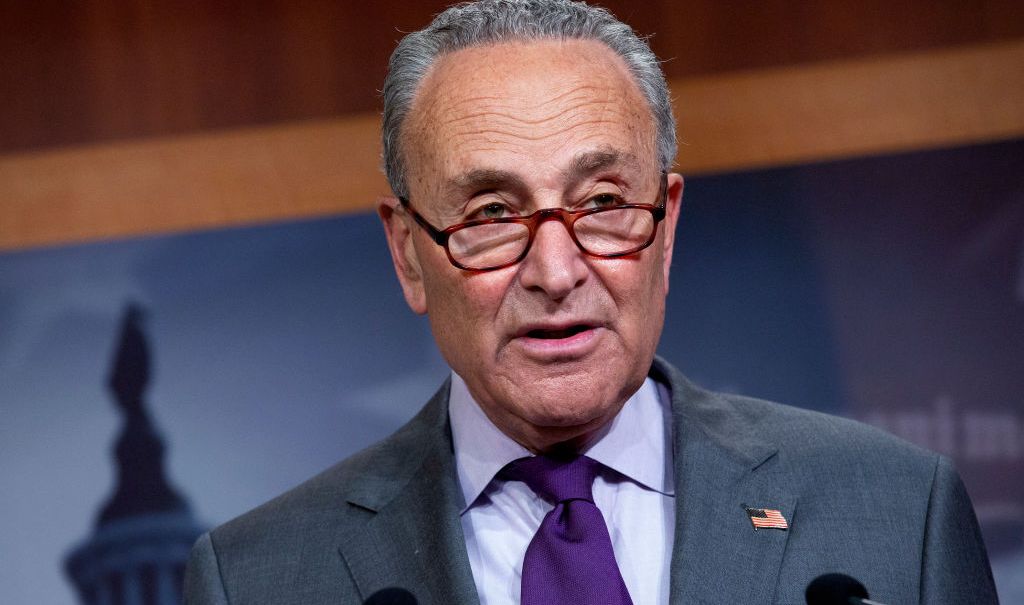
(506, 241)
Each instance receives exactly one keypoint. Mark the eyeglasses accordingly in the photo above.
(496, 243)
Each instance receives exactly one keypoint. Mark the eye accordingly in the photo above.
(604, 200)
(491, 210)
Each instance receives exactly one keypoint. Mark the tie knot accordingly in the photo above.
(556, 479)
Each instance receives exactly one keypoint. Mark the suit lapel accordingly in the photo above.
(413, 536)
(720, 464)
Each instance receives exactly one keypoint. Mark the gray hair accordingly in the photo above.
(491, 21)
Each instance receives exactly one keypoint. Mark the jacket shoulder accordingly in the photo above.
(290, 544)
(747, 426)
(808, 433)
(366, 479)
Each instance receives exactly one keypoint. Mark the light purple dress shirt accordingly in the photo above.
(637, 500)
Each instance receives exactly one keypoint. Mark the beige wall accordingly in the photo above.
(127, 117)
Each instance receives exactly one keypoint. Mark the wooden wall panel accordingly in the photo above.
(712, 36)
(851, 108)
(189, 182)
(75, 72)
(727, 122)
(100, 70)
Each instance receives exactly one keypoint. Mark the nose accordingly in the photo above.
(554, 265)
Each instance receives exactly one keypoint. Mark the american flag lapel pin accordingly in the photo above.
(765, 518)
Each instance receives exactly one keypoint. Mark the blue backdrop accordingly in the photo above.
(889, 289)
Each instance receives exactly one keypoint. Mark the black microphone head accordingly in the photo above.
(391, 596)
(834, 589)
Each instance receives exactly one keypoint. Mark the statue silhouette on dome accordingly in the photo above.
(139, 547)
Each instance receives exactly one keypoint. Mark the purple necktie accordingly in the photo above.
(570, 559)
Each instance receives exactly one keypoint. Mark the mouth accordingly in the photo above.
(558, 342)
(558, 333)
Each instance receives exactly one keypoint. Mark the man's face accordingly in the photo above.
(550, 347)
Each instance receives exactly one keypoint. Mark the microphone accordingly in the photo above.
(837, 589)
(391, 596)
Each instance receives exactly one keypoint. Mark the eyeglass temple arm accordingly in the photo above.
(439, 237)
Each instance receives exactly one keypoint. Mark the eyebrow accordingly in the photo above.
(589, 162)
(583, 164)
(487, 178)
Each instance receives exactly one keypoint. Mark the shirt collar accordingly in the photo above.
(636, 443)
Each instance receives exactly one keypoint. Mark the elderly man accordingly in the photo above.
(529, 146)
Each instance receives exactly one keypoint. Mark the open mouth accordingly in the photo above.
(556, 334)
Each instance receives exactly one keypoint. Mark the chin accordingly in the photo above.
(567, 414)
(569, 427)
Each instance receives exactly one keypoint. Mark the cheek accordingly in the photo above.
(638, 289)
(463, 308)
(654, 294)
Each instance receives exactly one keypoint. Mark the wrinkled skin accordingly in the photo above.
(553, 346)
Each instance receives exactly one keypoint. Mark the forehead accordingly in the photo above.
(525, 106)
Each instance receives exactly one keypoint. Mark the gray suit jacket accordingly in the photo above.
(858, 501)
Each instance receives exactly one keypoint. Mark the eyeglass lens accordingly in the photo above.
(606, 233)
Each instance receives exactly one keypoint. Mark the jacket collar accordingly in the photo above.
(412, 538)
(722, 463)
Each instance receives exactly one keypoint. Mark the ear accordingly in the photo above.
(403, 253)
(673, 201)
